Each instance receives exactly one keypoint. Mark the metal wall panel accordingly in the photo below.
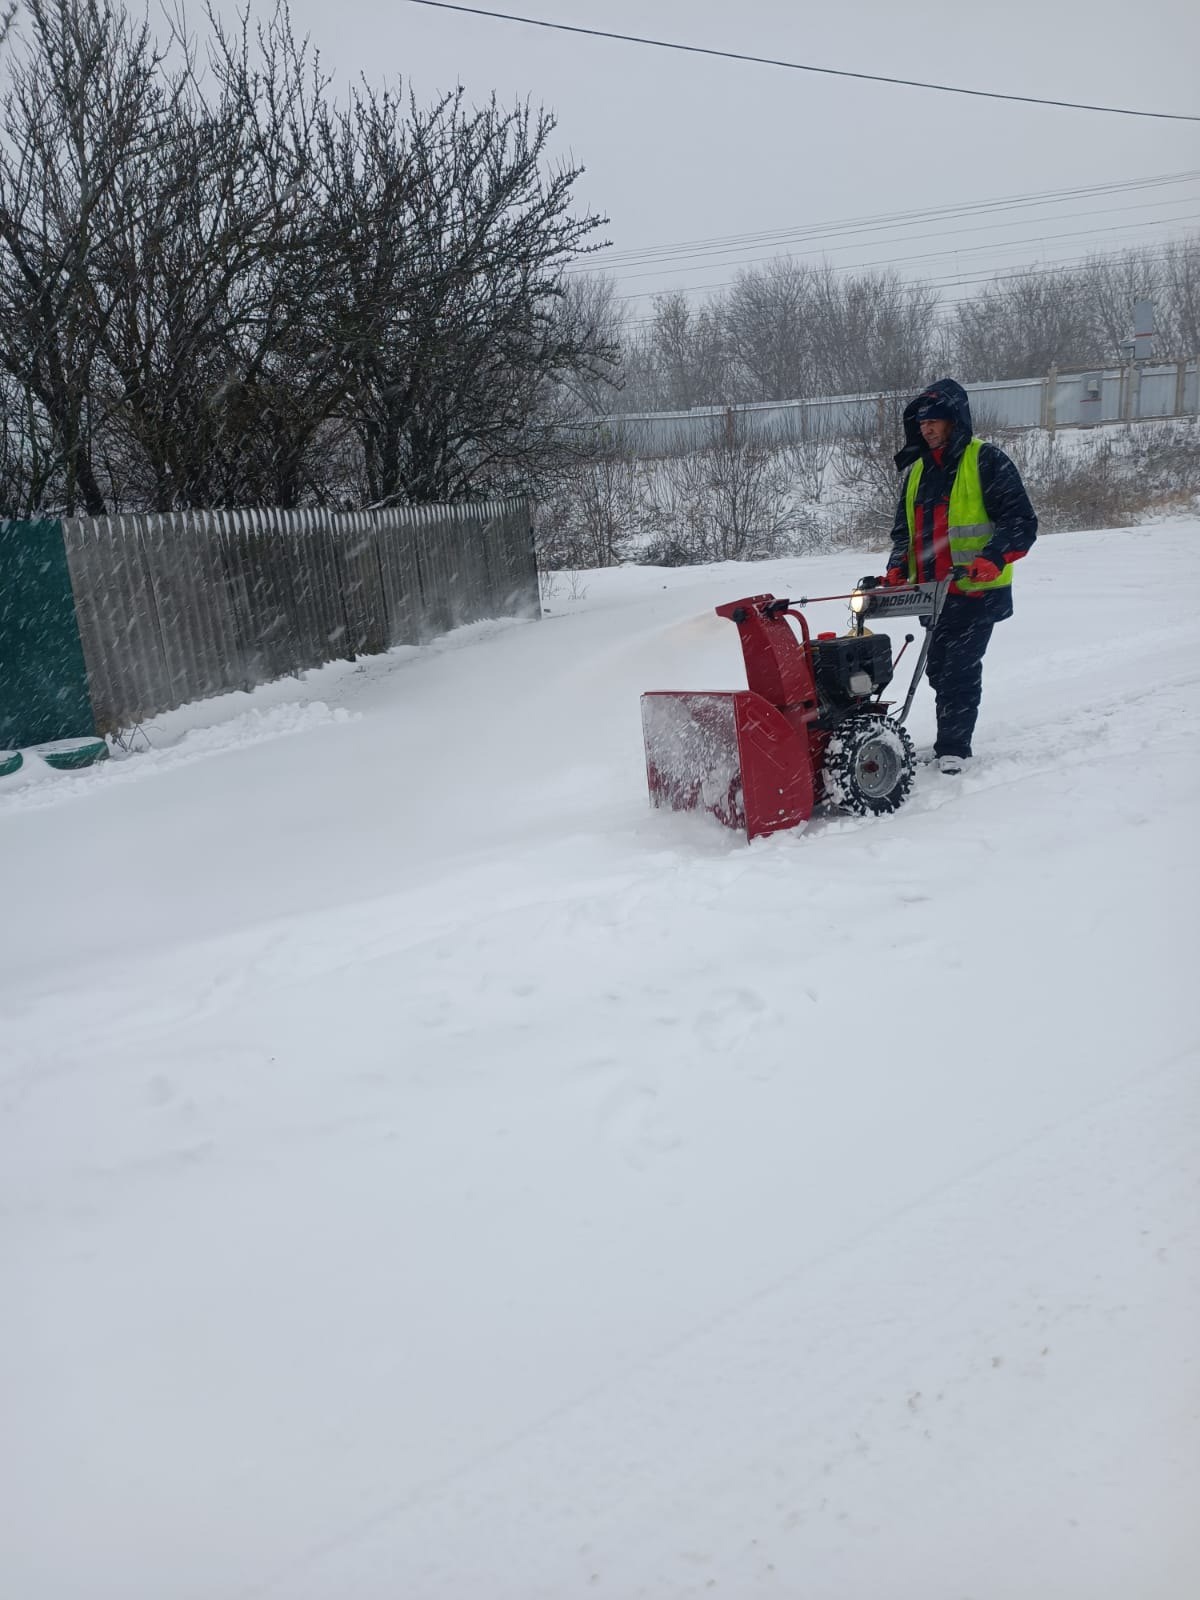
(178, 608)
(1113, 396)
(1018, 404)
(1005, 403)
(44, 689)
(1156, 394)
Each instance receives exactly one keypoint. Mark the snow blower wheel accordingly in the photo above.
(868, 768)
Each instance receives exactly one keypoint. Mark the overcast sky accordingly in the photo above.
(682, 148)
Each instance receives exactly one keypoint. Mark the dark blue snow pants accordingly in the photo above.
(955, 671)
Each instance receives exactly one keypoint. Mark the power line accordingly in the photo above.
(933, 255)
(1047, 269)
(799, 66)
(954, 281)
(879, 222)
(957, 233)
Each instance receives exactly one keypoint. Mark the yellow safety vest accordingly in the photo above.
(967, 520)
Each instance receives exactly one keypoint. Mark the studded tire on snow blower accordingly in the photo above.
(868, 767)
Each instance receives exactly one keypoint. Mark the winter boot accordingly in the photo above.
(952, 765)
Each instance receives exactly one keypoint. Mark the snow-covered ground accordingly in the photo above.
(428, 1173)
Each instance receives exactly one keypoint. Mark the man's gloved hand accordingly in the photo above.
(894, 576)
(982, 570)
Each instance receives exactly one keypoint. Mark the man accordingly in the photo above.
(962, 504)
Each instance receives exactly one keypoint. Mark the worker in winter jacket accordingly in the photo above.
(962, 504)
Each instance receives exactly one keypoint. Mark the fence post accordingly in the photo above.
(1050, 400)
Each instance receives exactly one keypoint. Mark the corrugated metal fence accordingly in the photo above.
(1133, 393)
(178, 607)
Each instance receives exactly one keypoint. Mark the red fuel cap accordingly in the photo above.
(827, 636)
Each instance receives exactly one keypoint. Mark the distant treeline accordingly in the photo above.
(790, 331)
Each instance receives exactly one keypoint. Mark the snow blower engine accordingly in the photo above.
(811, 728)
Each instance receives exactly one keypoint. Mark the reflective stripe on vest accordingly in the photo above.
(967, 520)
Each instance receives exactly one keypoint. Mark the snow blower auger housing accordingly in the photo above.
(811, 726)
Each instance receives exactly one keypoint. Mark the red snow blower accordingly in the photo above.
(811, 728)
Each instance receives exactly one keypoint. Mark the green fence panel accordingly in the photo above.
(43, 680)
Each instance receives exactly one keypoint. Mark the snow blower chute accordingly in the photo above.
(811, 727)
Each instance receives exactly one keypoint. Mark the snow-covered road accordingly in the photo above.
(426, 1172)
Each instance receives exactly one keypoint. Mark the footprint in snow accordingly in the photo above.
(630, 1117)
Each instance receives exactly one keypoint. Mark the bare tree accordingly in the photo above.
(1108, 287)
(873, 330)
(212, 276)
(689, 351)
(590, 315)
(1179, 294)
(642, 383)
(770, 327)
(30, 466)
(448, 243)
(82, 98)
(1021, 327)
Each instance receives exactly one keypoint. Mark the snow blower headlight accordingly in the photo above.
(859, 602)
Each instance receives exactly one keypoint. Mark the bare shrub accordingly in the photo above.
(591, 512)
(1162, 461)
(1084, 489)
(736, 500)
(673, 515)
(866, 469)
(1110, 479)
(809, 458)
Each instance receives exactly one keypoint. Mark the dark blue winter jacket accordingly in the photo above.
(1004, 495)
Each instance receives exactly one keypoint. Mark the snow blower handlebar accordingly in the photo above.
(879, 602)
(875, 599)
(778, 671)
